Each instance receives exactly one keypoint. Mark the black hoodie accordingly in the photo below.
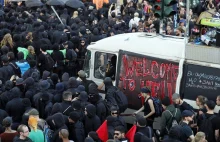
(92, 121)
(57, 122)
(97, 100)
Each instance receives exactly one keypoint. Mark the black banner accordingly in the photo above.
(201, 80)
(136, 71)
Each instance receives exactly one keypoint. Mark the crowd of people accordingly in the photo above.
(46, 96)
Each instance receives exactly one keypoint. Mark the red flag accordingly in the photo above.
(103, 131)
(130, 134)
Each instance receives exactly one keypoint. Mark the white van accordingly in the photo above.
(164, 63)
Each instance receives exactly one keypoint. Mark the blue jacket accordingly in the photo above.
(23, 65)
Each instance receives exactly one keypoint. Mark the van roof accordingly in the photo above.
(143, 43)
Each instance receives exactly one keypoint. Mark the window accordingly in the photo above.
(102, 61)
(87, 63)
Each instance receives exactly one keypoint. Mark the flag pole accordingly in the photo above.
(56, 14)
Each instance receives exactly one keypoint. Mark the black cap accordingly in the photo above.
(145, 90)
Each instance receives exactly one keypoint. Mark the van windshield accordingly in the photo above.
(87, 63)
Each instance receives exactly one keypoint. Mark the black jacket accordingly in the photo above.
(92, 121)
(77, 133)
(4, 98)
(3, 114)
(66, 107)
(15, 109)
(29, 72)
(56, 123)
(17, 139)
(101, 109)
(58, 58)
(6, 71)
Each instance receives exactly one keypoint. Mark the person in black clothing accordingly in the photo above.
(15, 107)
(58, 58)
(148, 106)
(210, 105)
(111, 68)
(81, 53)
(56, 123)
(182, 105)
(11, 58)
(17, 43)
(30, 89)
(73, 84)
(116, 114)
(77, 108)
(186, 131)
(6, 95)
(4, 52)
(67, 103)
(6, 71)
(33, 68)
(96, 100)
(200, 102)
(42, 59)
(92, 121)
(59, 36)
(174, 134)
(119, 134)
(42, 100)
(83, 98)
(58, 94)
(76, 127)
(144, 129)
(71, 57)
(65, 79)
(138, 137)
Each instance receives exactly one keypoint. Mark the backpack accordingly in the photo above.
(174, 122)
(109, 101)
(16, 69)
(121, 100)
(48, 133)
(207, 128)
(73, 55)
(49, 62)
(150, 132)
(157, 106)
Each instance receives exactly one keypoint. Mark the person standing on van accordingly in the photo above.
(148, 107)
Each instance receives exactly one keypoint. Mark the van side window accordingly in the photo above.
(105, 65)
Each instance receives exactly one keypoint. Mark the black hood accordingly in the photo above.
(60, 27)
(93, 88)
(91, 110)
(58, 120)
(175, 132)
(72, 82)
(65, 77)
(108, 82)
(16, 93)
(96, 31)
(56, 108)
